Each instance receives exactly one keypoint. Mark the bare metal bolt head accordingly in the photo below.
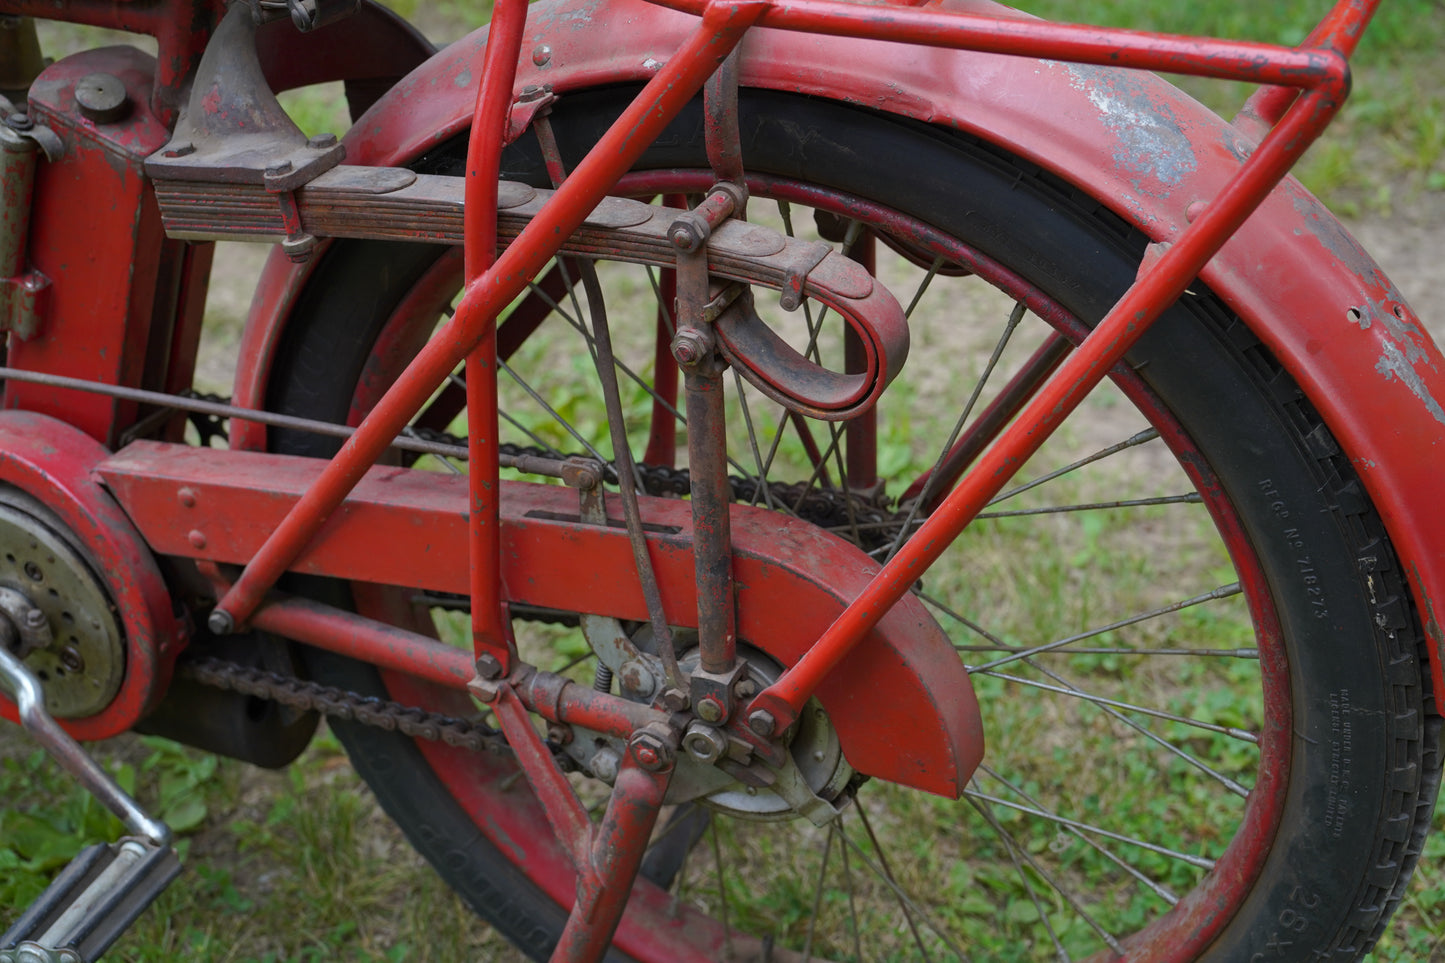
(70, 658)
(745, 689)
(221, 622)
(762, 722)
(34, 618)
(489, 666)
(19, 121)
(559, 733)
(322, 141)
(183, 149)
(675, 700)
(709, 709)
(683, 236)
(690, 346)
(278, 168)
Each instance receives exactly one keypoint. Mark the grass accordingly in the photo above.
(261, 845)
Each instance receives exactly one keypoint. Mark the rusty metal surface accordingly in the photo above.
(907, 676)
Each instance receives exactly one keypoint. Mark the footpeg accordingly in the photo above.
(107, 886)
(91, 903)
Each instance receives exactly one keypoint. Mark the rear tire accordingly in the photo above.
(1345, 777)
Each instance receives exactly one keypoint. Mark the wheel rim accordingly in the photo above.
(659, 926)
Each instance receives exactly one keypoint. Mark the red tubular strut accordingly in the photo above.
(674, 85)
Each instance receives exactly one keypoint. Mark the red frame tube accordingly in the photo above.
(722, 27)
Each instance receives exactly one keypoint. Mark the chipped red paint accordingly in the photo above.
(53, 462)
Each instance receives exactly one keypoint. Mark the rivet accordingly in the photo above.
(187, 497)
(197, 538)
(541, 55)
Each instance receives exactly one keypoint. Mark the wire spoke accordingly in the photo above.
(1199, 862)
(1154, 737)
(902, 896)
(889, 878)
(1189, 498)
(1077, 693)
(1010, 326)
(1223, 592)
(1133, 441)
(1157, 889)
(976, 800)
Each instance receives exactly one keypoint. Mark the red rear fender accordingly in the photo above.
(1140, 146)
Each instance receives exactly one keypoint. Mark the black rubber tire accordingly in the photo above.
(1359, 685)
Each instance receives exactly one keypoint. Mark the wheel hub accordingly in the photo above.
(82, 668)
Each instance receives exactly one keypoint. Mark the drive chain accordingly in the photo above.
(337, 703)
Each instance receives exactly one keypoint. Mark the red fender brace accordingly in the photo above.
(1149, 152)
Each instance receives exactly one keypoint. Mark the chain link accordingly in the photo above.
(337, 703)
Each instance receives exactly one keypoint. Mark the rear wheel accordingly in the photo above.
(1210, 733)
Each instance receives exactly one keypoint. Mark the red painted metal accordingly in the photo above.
(721, 29)
(604, 883)
(484, 158)
(905, 678)
(53, 462)
(103, 298)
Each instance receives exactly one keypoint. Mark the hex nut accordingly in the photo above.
(762, 722)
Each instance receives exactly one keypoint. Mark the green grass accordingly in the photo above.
(302, 866)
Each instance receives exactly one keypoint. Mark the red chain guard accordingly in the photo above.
(902, 703)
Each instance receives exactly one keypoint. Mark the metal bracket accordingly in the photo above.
(234, 130)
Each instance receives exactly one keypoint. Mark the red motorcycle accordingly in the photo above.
(573, 469)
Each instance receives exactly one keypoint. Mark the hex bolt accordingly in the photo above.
(684, 237)
(675, 700)
(690, 346)
(745, 689)
(710, 709)
(322, 141)
(762, 722)
(280, 167)
(183, 149)
(71, 659)
(651, 752)
(221, 622)
(489, 666)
